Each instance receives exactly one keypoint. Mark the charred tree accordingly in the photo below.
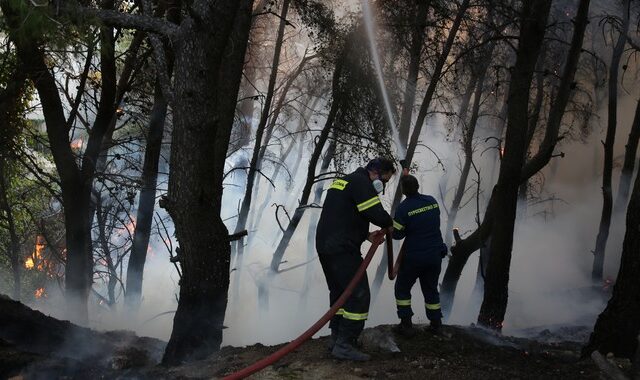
(626, 175)
(76, 180)
(612, 121)
(415, 53)
(422, 115)
(533, 25)
(465, 247)
(619, 324)
(149, 181)
(467, 138)
(146, 203)
(313, 162)
(209, 53)
(254, 164)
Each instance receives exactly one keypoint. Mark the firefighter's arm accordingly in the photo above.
(369, 205)
(399, 226)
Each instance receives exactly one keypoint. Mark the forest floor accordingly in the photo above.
(58, 349)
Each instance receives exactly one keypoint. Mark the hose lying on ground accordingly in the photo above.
(393, 270)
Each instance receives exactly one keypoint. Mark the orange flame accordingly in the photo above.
(35, 260)
(39, 293)
(28, 263)
(76, 144)
(131, 226)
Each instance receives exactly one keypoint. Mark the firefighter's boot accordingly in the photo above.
(345, 349)
(405, 328)
(436, 326)
(332, 339)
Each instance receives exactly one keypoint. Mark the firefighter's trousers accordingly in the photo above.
(427, 272)
(339, 269)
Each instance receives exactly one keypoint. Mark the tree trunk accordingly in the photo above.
(617, 328)
(277, 109)
(422, 114)
(467, 137)
(626, 175)
(311, 175)
(465, 247)
(146, 203)
(612, 121)
(415, 53)
(532, 30)
(254, 165)
(13, 248)
(209, 53)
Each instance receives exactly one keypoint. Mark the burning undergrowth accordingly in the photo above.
(38, 346)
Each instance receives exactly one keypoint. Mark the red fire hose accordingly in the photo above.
(393, 270)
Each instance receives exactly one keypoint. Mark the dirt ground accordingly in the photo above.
(35, 346)
(456, 353)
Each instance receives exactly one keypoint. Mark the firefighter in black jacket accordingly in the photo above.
(351, 204)
(417, 219)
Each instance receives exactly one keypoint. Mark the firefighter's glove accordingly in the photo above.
(404, 164)
(376, 237)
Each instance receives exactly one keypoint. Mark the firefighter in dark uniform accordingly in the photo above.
(351, 203)
(417, 220)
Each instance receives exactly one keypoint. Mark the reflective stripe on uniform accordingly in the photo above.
(339, 184)
(340, 311)
(397, 225)
(368, 203)
(403, 302)
(432, 306)
(422, 209)
(354, 316)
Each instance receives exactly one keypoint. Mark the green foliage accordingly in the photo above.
(16, 93)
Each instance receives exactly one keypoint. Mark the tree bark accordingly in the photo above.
(146, 203)
(13, 248)
(626, 175)
(612, 121)
(534, 20)
(618, 326)
(210, 49)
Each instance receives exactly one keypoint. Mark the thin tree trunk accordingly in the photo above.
(422, 114)
(626, 175)
(617, 328)
(415, 53)
(534, 21)
(467, 137)
(283, 159)
(311, 176)
(146, 203)
(612, 121)
(277, 109)
(313, 222)
(450, 155)
(533, 123)
(254, 165)
(204, 108)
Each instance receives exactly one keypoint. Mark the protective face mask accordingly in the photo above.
(378, 185)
